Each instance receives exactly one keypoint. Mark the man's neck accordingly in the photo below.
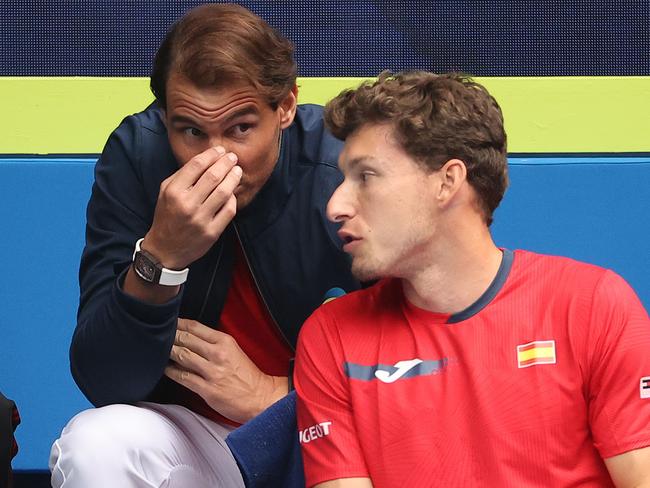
(459, 271)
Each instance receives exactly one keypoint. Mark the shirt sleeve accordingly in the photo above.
(619, 383)
(328, 437)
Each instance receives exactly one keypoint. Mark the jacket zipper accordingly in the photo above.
(209, 289)
(259, 291)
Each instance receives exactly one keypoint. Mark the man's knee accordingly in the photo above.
(116, 427)
(109, 439)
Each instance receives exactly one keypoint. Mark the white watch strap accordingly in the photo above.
(168, 277)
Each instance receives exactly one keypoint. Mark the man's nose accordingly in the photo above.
(216, 141)
(340, 207)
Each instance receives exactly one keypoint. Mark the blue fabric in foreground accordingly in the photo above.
(267, 449)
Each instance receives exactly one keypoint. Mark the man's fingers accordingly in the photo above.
(195, 344)
(202, 331)
(191, 360)
(223, 217)
(222, 193)
(188, 379)
(214, 177)
(192, 170)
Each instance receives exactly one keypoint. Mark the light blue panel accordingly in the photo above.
(596, 211)
(42, 210)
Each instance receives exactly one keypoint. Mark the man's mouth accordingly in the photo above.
(348, 239)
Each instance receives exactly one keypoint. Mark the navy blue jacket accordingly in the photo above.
(121, 345)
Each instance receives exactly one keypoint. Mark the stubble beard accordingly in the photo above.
(365, 270)
(367, 266)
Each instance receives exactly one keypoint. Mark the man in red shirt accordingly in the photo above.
(466, 364)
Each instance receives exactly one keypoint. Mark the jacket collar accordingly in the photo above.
(267, 205)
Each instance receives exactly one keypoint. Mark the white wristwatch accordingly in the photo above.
(150, 270)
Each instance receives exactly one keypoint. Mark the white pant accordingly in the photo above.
(148, 445)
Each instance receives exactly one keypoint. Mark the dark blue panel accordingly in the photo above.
(345, 38)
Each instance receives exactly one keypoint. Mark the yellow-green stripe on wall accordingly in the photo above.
(543, 114)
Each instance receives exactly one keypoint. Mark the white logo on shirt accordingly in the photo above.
(315, 432)
(403, 367)
(644, 387)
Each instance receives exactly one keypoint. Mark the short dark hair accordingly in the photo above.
(434, 118)
(216, 44)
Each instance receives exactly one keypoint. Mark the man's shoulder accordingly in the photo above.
(558, 269)
(570, 281)
(311, 140)
(310, 112)
(310, 116)
(348, 317)
(142, 137)
(151, 119)
(363, 306)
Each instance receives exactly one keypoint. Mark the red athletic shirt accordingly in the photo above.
(246, 318)
(546, 375)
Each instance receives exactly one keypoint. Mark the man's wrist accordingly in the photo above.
(149, 269)
(278, 390)
(139, 289)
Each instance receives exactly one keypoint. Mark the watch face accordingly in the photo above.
(145, 268)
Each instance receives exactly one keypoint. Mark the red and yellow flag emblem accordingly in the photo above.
(537, 352)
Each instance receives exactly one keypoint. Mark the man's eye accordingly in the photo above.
(243, 128)
(193, 131)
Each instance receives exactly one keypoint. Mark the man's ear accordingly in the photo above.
(287, 108)
(452, 176)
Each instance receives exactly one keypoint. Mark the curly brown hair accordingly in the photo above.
(434, 118)
(216, 44)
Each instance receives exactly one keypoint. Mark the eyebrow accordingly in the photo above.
(359, 160)
(183, 119)
(250, 110)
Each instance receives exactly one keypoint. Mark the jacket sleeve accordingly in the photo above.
(121, 345)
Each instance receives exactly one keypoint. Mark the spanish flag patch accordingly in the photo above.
(537, 352)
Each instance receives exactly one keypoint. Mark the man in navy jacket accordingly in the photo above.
(206, 249)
